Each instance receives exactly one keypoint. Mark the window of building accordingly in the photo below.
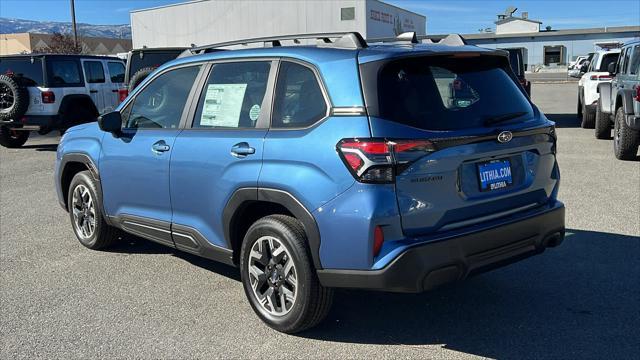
(299, 100)
(554, 54)
(233, 95)
(93, 71)
(348, 13)
(160, 104)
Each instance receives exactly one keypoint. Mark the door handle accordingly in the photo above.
(93, 91)
(160, 147)
(114, 90)
(242, 149)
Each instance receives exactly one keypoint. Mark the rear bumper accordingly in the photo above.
(426, 266)
(33, 122)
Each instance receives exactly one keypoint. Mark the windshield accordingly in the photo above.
(27, 70)
(449, 93)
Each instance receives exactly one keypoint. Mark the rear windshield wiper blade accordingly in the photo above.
(504, 117)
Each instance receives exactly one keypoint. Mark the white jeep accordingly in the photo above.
(43, 93)
(596, 72)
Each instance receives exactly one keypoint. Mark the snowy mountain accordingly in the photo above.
(8, 26)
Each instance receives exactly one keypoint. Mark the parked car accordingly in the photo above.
(54, 92)
(577, 62)
(580, 67)
(516, 60)
(596, 73)
(142, 62)
(396, 167)
(619, 104)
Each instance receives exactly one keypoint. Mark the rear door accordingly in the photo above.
(482, 150)
(221, 149)
(96, 81)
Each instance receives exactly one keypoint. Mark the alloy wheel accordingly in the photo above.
(84, 214)
(6, 97)
(272, 275)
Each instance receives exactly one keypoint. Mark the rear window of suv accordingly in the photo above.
(606, 60)
(448, 93)
(26, 69)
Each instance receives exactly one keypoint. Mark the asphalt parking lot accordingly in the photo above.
(141, 300)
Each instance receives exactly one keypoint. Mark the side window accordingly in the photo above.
(299, 101)
(593, 62)
(634, 68)
(233, 95)
(159, 105)
(625, 64)
(64, 72)
(116, 72)
(94, 72)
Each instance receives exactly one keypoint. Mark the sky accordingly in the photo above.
(459, 16)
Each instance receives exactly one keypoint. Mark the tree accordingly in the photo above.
(61, 44)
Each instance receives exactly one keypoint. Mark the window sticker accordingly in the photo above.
(254, 112)
(222, 105)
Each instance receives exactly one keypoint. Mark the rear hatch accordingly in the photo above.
(465, 143)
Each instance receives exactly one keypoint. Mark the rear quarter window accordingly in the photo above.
(63, 73)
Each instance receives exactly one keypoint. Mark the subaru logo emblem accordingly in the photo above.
(505, 136)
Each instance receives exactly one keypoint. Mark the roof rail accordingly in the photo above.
(347, 40)
(412, 38)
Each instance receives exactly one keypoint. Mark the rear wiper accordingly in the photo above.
(502, 118)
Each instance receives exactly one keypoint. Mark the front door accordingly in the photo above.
(134, 165)
(221, 151)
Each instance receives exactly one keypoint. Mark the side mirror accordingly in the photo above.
(111, 122)
(612, 69)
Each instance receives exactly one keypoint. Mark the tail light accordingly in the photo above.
(379, 160)
(122, 94)
(48, 97)
(637, 95)
(378, 240)
(600, 77)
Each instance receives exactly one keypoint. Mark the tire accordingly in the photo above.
(579, 109)
(311, 301)
(602, 124)
(12, 138)
(103, 235)
(588, 117)
(14, 99)
(138, 76)
(625, 139)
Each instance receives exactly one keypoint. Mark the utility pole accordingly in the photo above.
(73, 23)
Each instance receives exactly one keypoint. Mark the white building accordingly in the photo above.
(204, 22)
(515, 25)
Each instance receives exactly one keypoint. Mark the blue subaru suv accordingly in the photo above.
(391, 166)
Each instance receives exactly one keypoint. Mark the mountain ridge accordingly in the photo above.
(12, 25)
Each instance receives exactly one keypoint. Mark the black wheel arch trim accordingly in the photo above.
(93, 169)
(243, 196)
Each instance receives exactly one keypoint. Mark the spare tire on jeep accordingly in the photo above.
(14, 99)
(139, 75)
